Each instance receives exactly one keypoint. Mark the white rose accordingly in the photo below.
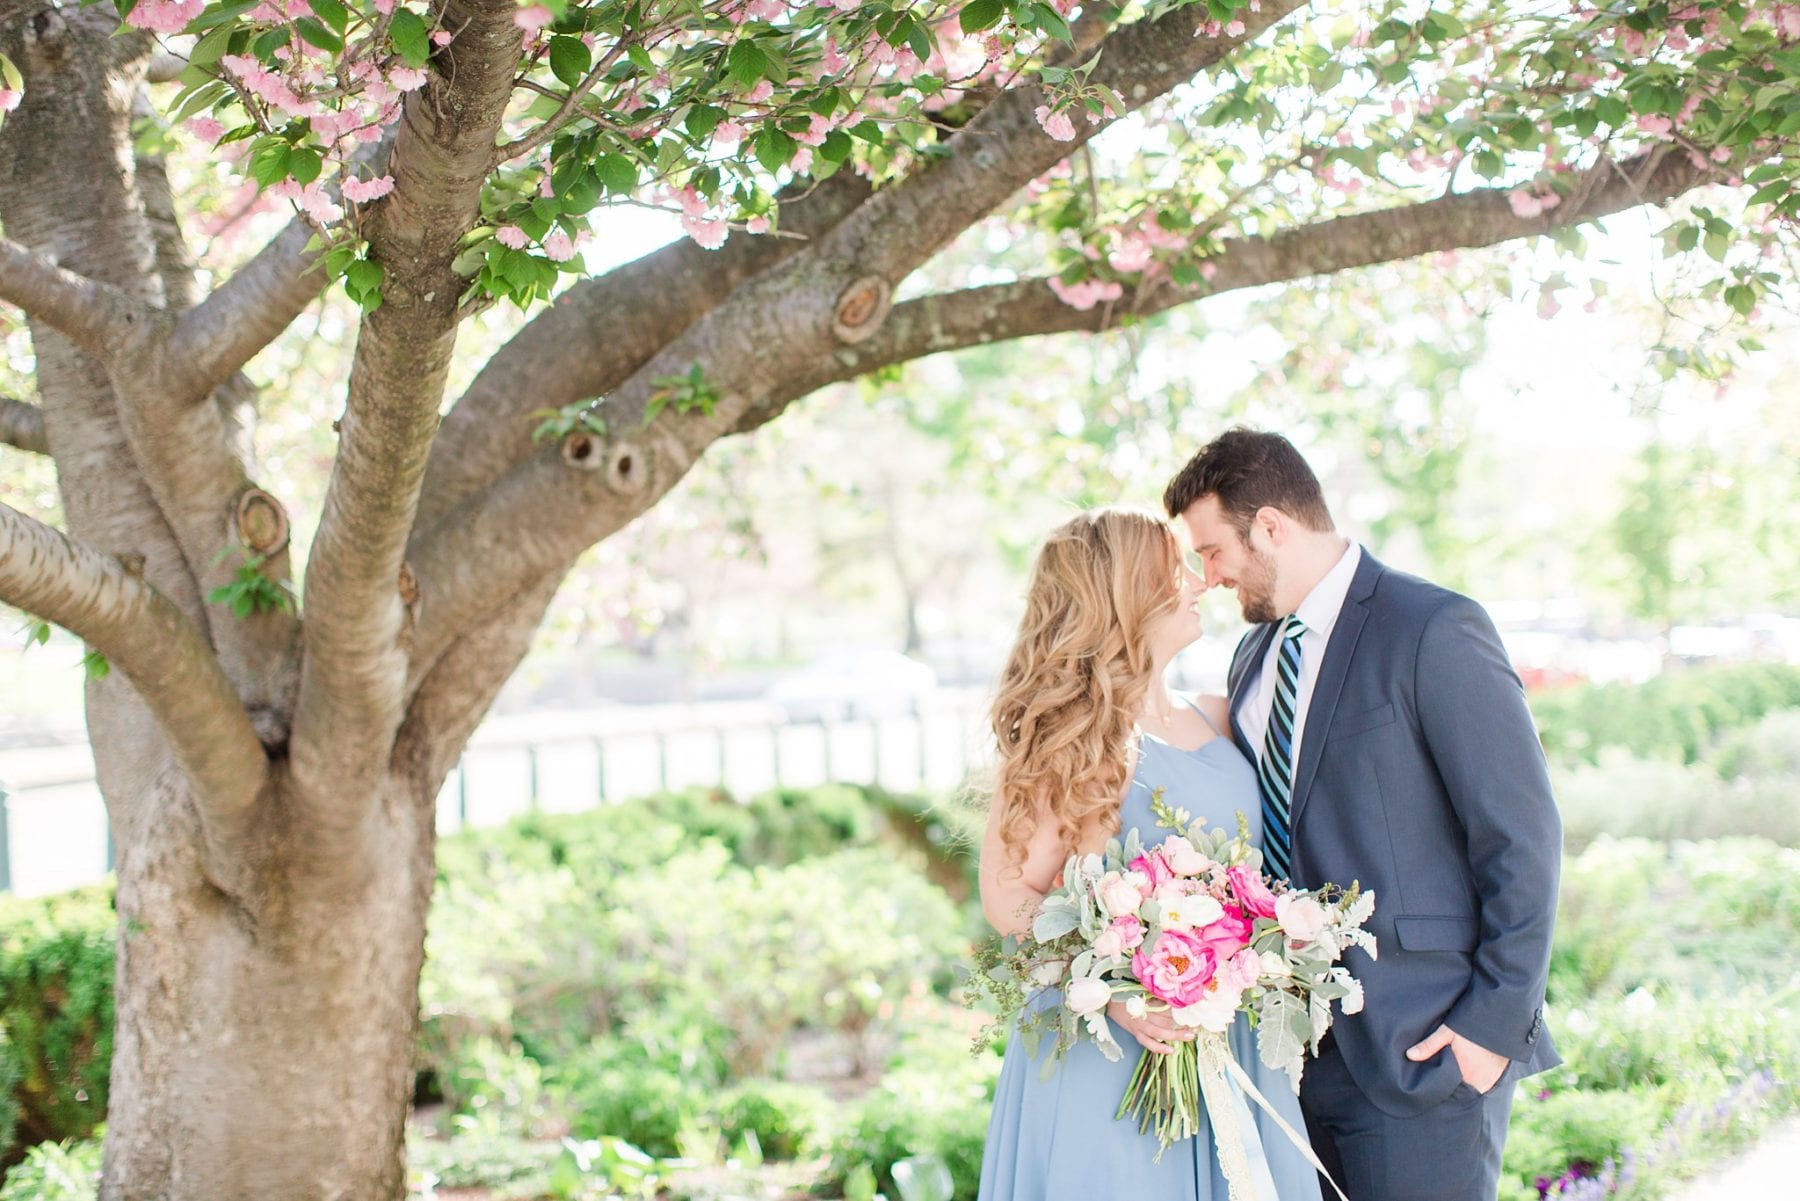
(1275, 967)
(1215, 1011)
(1119, 895)
(1302, 918)
(1048, 975)
(1184, 911)
(1136, 1006)
(1110, 944)
(1087, 995)
(1183, 857)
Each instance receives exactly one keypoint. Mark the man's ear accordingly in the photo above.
(1272, 522)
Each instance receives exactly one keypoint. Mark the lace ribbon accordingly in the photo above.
(1216, 1066)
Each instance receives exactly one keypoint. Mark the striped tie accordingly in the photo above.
(1276, 768)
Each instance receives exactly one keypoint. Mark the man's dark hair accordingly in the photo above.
(1247, 469)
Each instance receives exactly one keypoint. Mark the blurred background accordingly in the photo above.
(705, 888)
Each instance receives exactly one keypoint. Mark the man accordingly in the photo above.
(1393, 747)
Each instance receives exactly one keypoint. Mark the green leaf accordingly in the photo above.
(264, 47)
(330, 12)
(315, 32)
(96, 665)
(363, 277)
(1716, 245)
(1770, 192)
(836, 147)
(269, 161)
(702, 119)
(211, 47)
(774, 148)
(1613, 111)
(569, 59)
(978, 15)
(412, 41)
(746, 64)
(583, 193)
(617, 173)
(303, 165)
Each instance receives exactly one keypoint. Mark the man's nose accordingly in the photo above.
(1213, 575)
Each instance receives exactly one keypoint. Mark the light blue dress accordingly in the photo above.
(1055, 1139)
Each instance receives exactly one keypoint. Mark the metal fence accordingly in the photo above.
(54, 834)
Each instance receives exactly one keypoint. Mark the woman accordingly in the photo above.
(1087, 730)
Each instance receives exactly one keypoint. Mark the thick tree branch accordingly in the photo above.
(598, 333)
(98, 317)
(354, 671)
(813, 305)
(215, 338)
(1483, 217)
(112, 609)
(22, 426)
(810, 307)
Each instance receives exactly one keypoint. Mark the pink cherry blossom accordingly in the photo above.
(1524, 203)
(533, 18)
(727, 133)
(691, 204)
(834, 61)
(512, 237)
(442, 37)
(204, 128)
(164, 16)
(1132, 255)
(816, 130)
(802, 161)
(757, 225)
(1056, 124)
(362, 191)
(9, 99)
(761, 92)
(1656, 125)
(559, 247)
(708, 233)
(407, 79)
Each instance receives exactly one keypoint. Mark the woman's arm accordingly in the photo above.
(1012, 890)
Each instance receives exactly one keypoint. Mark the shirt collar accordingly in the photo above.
(1322, 605)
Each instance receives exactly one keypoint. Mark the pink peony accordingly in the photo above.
(1251, 892)
(1227, 936)
(1154, 868)
(512, 237)
(1240, 971)
(1177, 969)
(1119, 894)
(1301, 918)
(1182, 857)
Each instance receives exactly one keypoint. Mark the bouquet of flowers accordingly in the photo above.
(1192, 927)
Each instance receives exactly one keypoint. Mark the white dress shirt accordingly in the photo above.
(1320, 612)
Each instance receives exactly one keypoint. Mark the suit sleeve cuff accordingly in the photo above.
(1492, 1022)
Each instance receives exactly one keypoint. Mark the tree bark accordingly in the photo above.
(267, 1052)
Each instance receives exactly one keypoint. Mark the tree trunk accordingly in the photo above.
(267, 1055)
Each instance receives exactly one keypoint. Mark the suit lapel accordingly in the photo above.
(1330, 684)
(1251, 652)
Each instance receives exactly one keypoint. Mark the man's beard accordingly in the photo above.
(1256, 588)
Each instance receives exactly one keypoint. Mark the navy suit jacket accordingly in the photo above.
(1422, 777)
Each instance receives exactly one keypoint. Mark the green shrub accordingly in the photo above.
(10, 1075)
(786, 1118)
(1676, 716)
(1770, 748)
(61, 1171)
(56, 977)
(1548, 1133)
(648, 1104)
(934, 1101)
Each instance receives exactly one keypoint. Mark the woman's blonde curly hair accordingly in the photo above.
(1078, 673)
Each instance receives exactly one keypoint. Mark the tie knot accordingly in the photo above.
(1295, 627)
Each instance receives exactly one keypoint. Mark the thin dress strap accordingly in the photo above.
(1217, 733)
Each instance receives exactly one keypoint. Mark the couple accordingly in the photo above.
(1374, 732)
